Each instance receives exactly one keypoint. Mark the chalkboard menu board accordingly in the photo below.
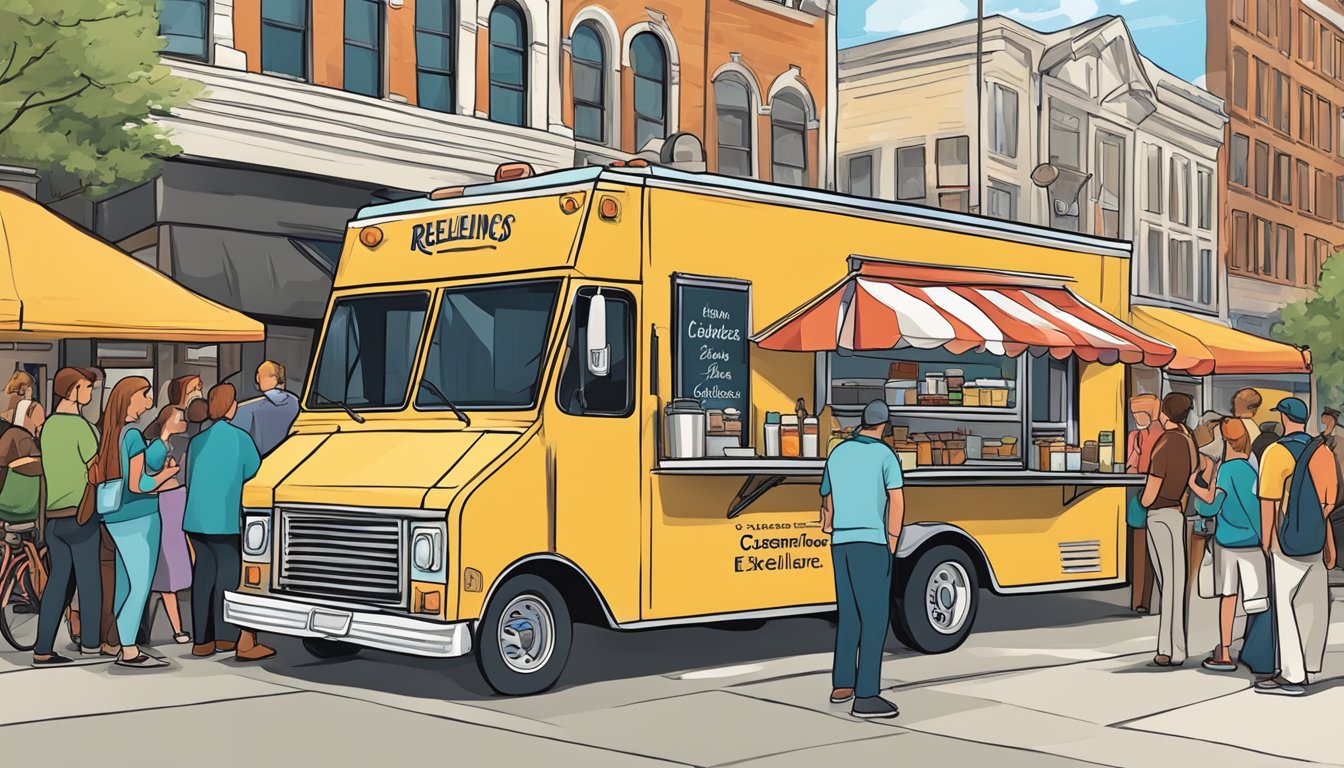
(712, 342)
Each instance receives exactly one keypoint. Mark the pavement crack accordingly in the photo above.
(161, 707)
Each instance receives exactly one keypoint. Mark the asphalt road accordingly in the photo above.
(1051, 680)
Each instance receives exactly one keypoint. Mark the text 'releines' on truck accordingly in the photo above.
(606, 396)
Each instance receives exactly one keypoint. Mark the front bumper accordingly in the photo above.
(374, 630)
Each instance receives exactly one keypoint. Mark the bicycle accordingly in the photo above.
(23, 574)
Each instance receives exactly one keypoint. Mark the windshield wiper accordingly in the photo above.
(340, 404)
(435, 391)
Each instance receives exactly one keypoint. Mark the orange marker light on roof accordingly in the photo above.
(609, 209)
(371, 236)
(639, 162)
(512, 171)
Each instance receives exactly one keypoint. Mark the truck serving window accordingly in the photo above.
(368, 353)
(488, 346)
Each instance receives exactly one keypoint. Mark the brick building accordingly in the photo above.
(1279, 65)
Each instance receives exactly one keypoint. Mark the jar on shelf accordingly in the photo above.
(810, 438)
(790, 443)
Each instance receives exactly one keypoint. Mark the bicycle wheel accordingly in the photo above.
(19, 606)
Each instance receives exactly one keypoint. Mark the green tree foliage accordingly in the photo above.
(1318, 323)
(79, 83)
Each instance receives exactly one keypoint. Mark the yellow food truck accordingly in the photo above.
(605, 395)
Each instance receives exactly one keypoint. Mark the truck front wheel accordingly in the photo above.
(934, 600)
(523, 640)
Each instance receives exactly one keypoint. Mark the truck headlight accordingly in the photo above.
(257, 536)
(427, 549)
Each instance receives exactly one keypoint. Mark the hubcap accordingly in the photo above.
(526, 634)
(948, 597)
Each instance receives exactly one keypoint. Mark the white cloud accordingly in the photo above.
(1128, 2)
(1153, 22)
(1075, 11)
(907, 16)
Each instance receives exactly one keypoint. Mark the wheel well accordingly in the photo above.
(965, 544)
(585, 606)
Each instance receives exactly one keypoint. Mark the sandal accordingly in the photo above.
(1214, 664)
(181, 638)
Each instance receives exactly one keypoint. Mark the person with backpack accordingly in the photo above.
(1169, 471)
(1298, 488)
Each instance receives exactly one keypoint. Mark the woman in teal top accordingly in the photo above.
(134, 526)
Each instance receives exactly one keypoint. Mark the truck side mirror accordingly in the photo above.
(599, 351)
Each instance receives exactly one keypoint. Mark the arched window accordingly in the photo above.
(508, 65)
(589, 58)
(788, 139)
(649, 58)
(732, 103)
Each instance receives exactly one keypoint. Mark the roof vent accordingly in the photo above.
(682, 151)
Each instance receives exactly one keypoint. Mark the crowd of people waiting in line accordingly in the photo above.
(169, 516)
(1247, 513)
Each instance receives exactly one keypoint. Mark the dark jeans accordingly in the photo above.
(219, 563)
(1337, 531)
(73, 549)
(863, 597)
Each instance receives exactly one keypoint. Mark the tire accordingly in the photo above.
(19, 612)
(323, 648)
(524, 637)
(935, 599)
(739, 625)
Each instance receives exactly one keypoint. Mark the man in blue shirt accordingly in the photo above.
(862, 508)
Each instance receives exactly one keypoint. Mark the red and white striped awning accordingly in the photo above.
(889, 305)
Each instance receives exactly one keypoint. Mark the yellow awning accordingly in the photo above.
(57, 281)
(1205, 347)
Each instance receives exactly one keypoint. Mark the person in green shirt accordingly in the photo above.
(68, 443)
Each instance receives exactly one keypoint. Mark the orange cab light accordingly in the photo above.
(443, 193)
(513, 171)
(609, 209)
(639, 162)
(252, 576)
(371, 236)
(571, 203)
(617, 164)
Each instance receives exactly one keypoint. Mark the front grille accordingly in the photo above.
(349, 556)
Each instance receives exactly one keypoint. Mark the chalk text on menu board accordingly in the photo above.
(715, 381)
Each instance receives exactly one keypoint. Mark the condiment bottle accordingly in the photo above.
(789, 439)
(810, 437)
(801, 410)
(1073, 456)
(1106, 452)
(772, 436)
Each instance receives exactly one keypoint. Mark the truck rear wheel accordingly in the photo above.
(523, 640)
(935, 599)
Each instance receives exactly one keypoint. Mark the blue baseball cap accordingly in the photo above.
(1294, 409)
(876, 413)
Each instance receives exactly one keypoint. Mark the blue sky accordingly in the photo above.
(1170, 32)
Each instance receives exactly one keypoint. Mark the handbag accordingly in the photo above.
(108, 496)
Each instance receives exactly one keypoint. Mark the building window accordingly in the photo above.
(1264, 242)
(1262, 90)
(1204, 188)
(788, 139)
(1263, 15)
(184, 24)
(649, 59)
(1307, 47)
(1303, 186)
(1306, 122)
(910, 173)
(1152, 199)
(1204, 285)
(1262, 177)
(1001, 200)
(1339, 199)
(1327, 51)
(1325, 205)
(1238, 169)
(954, 161)
(364, 47)
(732, 104)
(1241, 240)
(1283, 178)
(508, 65)
(1180, 190)
(1239, 78)
(434, 22)
(588, 57)
(1324, 124)
(1110, 183)
(1065, 139)
(1286, 253)
(1284, 14)
(1154, 261)
(1239, 11)
(1180, 269)
(859, 175)
(1283, 108)
(284, 38)
(1003, 128)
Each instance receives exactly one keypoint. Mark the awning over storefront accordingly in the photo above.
(57, 281)
(891, 305)
(1205, 347)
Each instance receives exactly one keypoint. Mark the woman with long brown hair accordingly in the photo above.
(21, 387)
(134, 526)
(173, 573)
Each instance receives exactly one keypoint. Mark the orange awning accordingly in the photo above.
(890, 305)
(59, 282)
(1205, 347)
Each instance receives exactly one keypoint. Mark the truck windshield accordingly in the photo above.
(369, 351)
(488, 346)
